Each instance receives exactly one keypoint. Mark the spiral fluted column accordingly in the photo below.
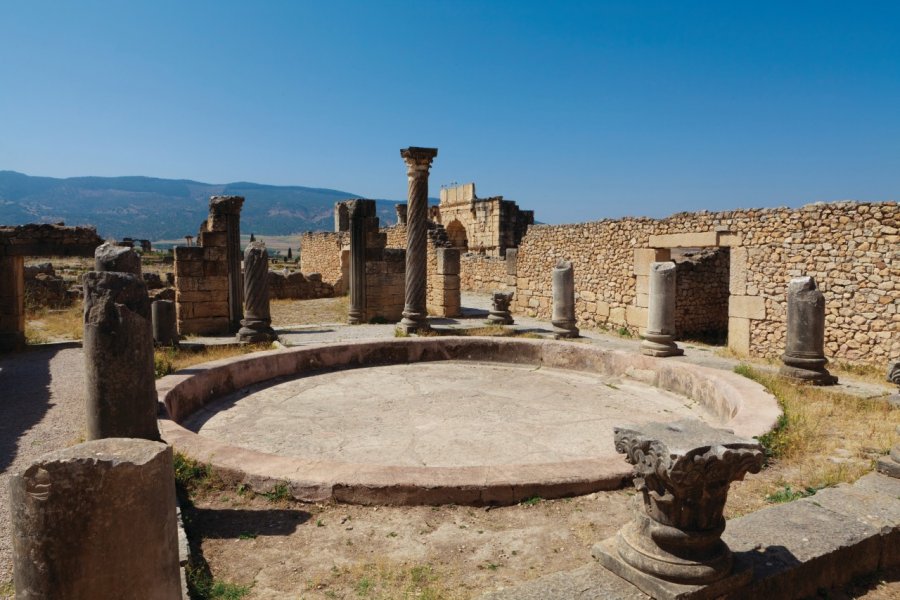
(418, 163)
(256, 326)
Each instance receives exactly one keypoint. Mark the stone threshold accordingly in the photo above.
(795, 549)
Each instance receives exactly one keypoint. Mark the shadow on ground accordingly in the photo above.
(25, 385)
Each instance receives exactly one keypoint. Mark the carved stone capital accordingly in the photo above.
(418, 160)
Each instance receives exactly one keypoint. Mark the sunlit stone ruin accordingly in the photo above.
(475, 358)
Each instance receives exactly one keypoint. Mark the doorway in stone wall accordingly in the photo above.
(456, 231)
(702, 294)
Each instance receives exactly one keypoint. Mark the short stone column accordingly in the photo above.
(673, 547)
(418, 163)
(165, 332)
(118, 259)
(563, 318)
(12, 303)
(118, 357)
(499, 313)
(804, 353)
(358, 214)
(659, 339)
(256, 326)
(225, 215)
(96, 520)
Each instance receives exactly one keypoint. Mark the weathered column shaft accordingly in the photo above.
(358, 214)
(563, 318)
(256, 325)
(119, 259)
(804, 352)
(96, 520)
(12, 303)
(118, 356)
(418, 162)
(659, 339)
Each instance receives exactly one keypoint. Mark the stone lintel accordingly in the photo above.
(747, 307)
(703, 239)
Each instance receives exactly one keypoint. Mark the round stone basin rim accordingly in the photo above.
(740, 404)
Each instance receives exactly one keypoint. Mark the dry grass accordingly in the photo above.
(170, 360)
(43, 325)
(824, 438)
(386, 580)
(309, 312)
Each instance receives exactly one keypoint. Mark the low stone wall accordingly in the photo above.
(44, 288)
(296, 286)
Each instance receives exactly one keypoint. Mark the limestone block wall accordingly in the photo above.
(385, 284)
(483, 225)
(485, 274)
(201, 286)
(852, 249)
(320, 252)
(443, 292)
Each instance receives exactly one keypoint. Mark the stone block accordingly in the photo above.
(737, 272)
(685, 240)
(747, 307)
(203, 310)
(512, 257)
(215, 269)
(208, 326)
(617, 315)
(188, 269)
(739, 336)
(642, 300)
(642, 284)
(602, 308)
(636, 316)
(800, 547)
(448, 261)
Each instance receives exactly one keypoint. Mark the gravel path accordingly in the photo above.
(41, 409)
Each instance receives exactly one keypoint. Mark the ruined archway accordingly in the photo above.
(456, 231)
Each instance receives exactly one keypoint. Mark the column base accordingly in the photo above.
(806, 370)
(355, 318)
(565, 330)
(256, 332)
(499, 319)
(607, 554)
(410, 326)
(660, 345)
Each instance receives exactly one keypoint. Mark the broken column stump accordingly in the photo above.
(499, 313)
(659, 339)
(96, 520)
(673, 547)
(804, 352)
(563, 317)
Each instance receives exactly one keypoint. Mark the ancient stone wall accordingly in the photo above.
(483, 225)
(296, 286)
(486, 274)
(320, 252)
(201, 286)
(701, 292)
(852, 250)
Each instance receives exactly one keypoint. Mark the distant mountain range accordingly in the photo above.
(166, 209)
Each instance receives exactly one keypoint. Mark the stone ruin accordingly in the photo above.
(32, 240)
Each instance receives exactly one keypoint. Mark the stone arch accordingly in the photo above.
(456, 231)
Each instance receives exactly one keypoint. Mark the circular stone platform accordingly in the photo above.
(440, 420)
(441, 414)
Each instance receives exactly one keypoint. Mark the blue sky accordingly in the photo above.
(578, 110)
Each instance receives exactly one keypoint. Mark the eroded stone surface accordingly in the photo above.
(442, 414)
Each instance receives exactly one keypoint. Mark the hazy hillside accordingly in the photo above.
(156, 209)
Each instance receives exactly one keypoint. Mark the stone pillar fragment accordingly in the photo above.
(401, 214)
(225, 215)
(256, 327)
(563, 318)
(165, 332)
(96, 520)
(118, 356)
(890, 465)
(673, 547)
(418, 162)
(659, 339)
(12, 303)
(358, 213)
(499, 313)
(119, 259)
(804, 353)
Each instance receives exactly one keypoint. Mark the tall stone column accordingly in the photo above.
(418, 163)
(673, 547)
(358, 213)
(12, 303)
(659, 339)
(225, 215)
(563, 318)
(256, 327)
(118, 357)
(804, 353)
(96, 520)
